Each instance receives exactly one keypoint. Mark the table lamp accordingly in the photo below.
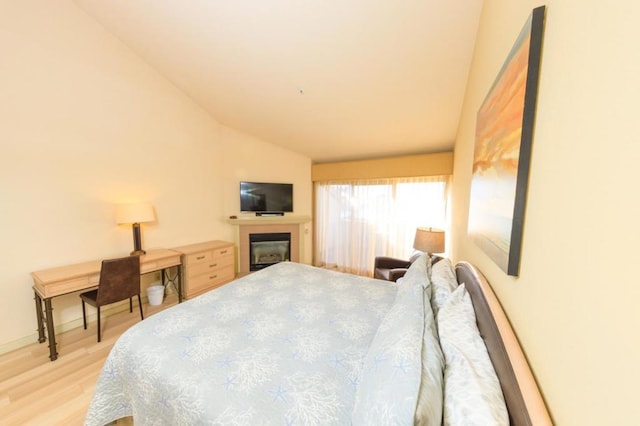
(429, 240)
(135, 213)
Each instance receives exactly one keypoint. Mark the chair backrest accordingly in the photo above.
(119, 280)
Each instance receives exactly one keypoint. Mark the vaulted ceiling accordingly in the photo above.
(332, 79)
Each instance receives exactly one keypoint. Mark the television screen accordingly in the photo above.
(266, 197)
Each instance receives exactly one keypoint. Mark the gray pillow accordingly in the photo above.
(390, 377)
(430, 394)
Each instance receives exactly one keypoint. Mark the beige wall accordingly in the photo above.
(575, 305)
(258, 161)
(84, 124)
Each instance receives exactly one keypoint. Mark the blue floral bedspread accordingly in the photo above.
(282, 346)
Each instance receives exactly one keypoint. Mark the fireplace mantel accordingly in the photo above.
(261, 220)
(246, 225)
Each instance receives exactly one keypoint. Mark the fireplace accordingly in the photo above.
(268, 248)
(292, 225)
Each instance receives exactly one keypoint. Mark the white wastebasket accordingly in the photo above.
(155, 294)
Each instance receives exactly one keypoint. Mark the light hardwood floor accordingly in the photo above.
(36, 391)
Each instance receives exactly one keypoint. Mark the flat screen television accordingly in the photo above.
(266, 198)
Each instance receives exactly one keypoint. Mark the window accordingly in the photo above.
(359, 220)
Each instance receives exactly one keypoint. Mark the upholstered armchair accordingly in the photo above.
(391, 268)
(427, 240)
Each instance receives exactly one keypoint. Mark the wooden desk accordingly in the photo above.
(49, 283)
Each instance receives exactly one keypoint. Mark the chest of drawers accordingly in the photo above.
(206, 266)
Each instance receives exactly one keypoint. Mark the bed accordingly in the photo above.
(299, 345)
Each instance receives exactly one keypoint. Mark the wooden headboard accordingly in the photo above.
(521, 393)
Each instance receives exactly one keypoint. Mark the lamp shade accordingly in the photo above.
(429, 240)
(135, 213)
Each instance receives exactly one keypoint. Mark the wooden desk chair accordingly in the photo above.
(119, 280)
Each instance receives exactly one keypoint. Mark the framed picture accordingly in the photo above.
(504, 132)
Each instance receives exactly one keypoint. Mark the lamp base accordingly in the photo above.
(137, 241)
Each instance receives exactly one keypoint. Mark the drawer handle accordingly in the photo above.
(199, 257)
(213, 276)
(223, 252)
(213, 265)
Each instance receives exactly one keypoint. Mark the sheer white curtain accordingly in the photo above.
(359, 220)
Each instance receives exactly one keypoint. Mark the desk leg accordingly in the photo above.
(179, 286)
(48, 311)
(39, 317)
(176, 280)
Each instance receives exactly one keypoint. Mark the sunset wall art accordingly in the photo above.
(504, 132)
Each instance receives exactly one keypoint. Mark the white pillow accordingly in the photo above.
(472, 394)
(443, 282)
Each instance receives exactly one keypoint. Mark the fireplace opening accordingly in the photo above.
(268, 249)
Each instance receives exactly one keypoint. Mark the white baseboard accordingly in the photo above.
(61, 328)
